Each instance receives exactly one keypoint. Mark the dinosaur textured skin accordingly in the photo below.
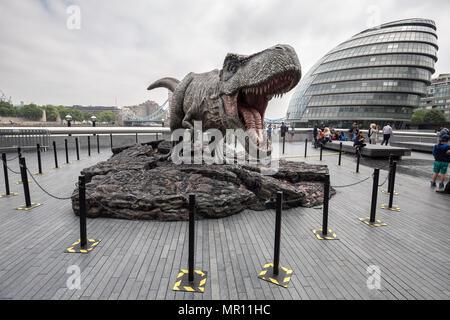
(235, 97)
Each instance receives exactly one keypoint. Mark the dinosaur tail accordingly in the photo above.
(168, 83)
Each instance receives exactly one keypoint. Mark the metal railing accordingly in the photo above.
(24, 138)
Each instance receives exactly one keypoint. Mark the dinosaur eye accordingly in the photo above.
(232, 68)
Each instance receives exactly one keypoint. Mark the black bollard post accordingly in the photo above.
(247, 149)
(26, 188)
(340, 154)
(391, 191)
(77, 147)
(326, 199)
(89, 145)
(276, 254)
(38, 152)
(19, 152)
(191, 280)
(274, 272)
(321, 150)
(98, 144)
(213, 152)
(82, 202)
(257, 151)
(358, 158)
(284, 141)
(55, 154)
(83, 245)
(306, 146)
(373, 206)
(371, 221)
(111, 140)
(136, 137)
(67, 151)
(5, 174)
(191, 236)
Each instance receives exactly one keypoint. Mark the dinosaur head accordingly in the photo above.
(248, 83)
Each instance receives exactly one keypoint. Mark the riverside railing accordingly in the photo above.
(28, 137)
(23, 138)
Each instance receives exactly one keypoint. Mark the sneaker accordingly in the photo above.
(432, 184)
(441, 186)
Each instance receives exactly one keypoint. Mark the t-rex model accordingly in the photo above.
(235, 97)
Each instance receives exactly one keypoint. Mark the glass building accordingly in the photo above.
(379, 75)
(438, 96)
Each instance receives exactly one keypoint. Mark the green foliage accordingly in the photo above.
(30, 112)
(87, 115)
(34, 112)
(7, 109)
(418, 116)
(77, 115)
(51, 112)
(106, 116)
(428, 116)
(63, 111)
(434, 115)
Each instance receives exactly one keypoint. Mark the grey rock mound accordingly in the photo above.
(138, 182)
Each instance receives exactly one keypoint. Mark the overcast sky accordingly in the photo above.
(120, 47)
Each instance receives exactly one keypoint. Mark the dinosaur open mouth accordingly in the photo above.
(250, 103)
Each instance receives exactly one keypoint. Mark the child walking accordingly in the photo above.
(441, 153)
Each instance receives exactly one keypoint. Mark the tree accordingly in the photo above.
(434, 115)
(63, 111)
(7, 109)
(51, 112)
(77, 115)
(107, 116)
(418, 116)
(31, 112)
(87, 115)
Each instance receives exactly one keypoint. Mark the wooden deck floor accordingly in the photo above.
(141, 259)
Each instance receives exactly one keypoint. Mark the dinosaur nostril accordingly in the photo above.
(279, 48)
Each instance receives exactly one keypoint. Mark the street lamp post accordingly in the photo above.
(94, 119)
(69, 121)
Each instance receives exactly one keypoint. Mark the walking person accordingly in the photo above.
(283, 130)
(315, 133)
(373, 134)
(269, 133)
(387, 133)
(292, 132)
(441, 153)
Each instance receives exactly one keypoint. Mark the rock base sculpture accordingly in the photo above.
(141, 182)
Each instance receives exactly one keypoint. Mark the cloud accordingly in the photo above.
(123, 46)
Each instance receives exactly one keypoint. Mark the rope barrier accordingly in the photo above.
(387, 177)
(353, 184)
(12, 158)
(15, 172)
(45, 191)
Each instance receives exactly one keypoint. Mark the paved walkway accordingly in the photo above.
(141, 259)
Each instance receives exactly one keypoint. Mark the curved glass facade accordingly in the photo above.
(378, 75)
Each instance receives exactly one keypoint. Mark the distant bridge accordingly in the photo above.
(154, 117)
